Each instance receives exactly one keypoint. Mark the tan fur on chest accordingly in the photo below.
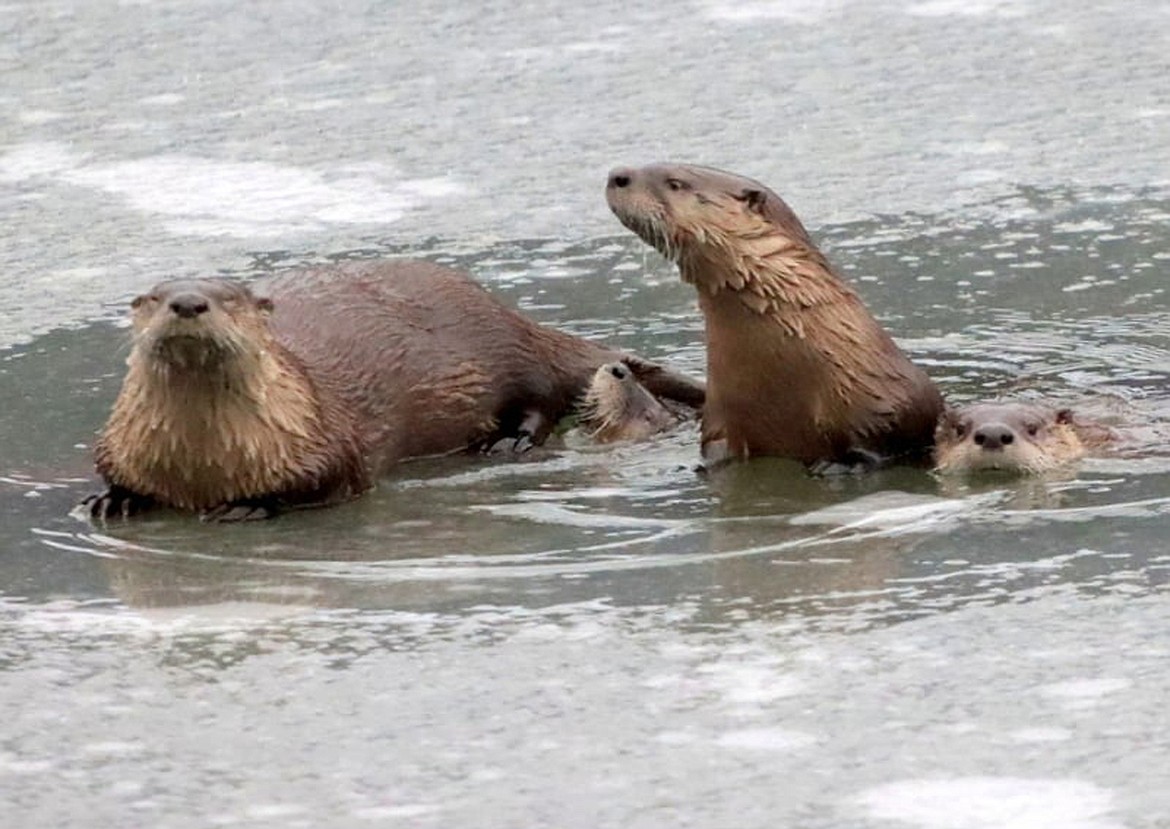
(198, 440)
(788, 401)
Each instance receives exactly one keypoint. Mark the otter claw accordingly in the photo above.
(512, 445)
(855, 461)
(116, 502)
(524, 442)
(237, 511)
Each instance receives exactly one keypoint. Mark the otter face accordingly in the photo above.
(677, 207)
(618, 407)
(1010, 437)
(189, 323)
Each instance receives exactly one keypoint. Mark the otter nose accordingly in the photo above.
(620, 178)
(188, 306)
(619, 371)
(994, 436)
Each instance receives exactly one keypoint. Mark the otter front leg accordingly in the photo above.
(664, 383)
(117, 502)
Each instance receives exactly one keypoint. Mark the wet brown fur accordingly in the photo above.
(971, 438)
(617, 407)
(307, 398)
(797, 366)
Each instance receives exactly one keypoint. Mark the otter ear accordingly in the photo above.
(756, 200)
(1064, 417)
(264, 304)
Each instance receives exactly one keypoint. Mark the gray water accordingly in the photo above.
(596, 637)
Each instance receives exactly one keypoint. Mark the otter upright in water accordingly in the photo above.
(238, 404)
(796, 365)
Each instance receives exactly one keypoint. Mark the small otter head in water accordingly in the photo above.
(618, 407)
(1010, 437)
(198, 324)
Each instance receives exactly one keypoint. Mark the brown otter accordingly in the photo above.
(1013, 437)
(237, 404)
(618, 407)
(796, 365)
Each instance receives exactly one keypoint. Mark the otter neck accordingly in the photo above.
(771, 273)
(196, 439)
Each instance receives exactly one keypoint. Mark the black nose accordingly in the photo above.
(619, 371)
(994, 436)
(188, 306)
(620, 178)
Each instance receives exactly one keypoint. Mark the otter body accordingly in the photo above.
(617, 407)
(797, 367)
(1013, 437)
(238, 404)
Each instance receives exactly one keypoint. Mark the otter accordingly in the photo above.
(238, 404)
(1013, 437)
(617, 407)
(796, 365)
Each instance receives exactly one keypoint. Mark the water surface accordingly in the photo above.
(596, 636)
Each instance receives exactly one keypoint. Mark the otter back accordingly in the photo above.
(238, 405)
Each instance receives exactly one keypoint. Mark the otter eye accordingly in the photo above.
(1032, 429)
(961, 430)
(677, 184)
(754, 199)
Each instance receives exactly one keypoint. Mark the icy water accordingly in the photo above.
(596, 637)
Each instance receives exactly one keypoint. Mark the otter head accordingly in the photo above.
(1010, 437)
(618, 407)
(723, 231)
(198, 325)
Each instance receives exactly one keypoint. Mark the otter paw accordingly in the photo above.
(854, 462)
(116, 502)
(517, 445)
(257, 509)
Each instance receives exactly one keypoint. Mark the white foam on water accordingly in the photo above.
(208, 197)
(792, 11)
(33, 160)
(1084, 693)
(252, 192)
(405, 810)
(1040, 735)
(40, 116)
(968, 8)
(13, 764)
(765, 739)
(889, 511)
(166, 99)
(271, 811)
(113, 748)
(752, 684)
(992, 803)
